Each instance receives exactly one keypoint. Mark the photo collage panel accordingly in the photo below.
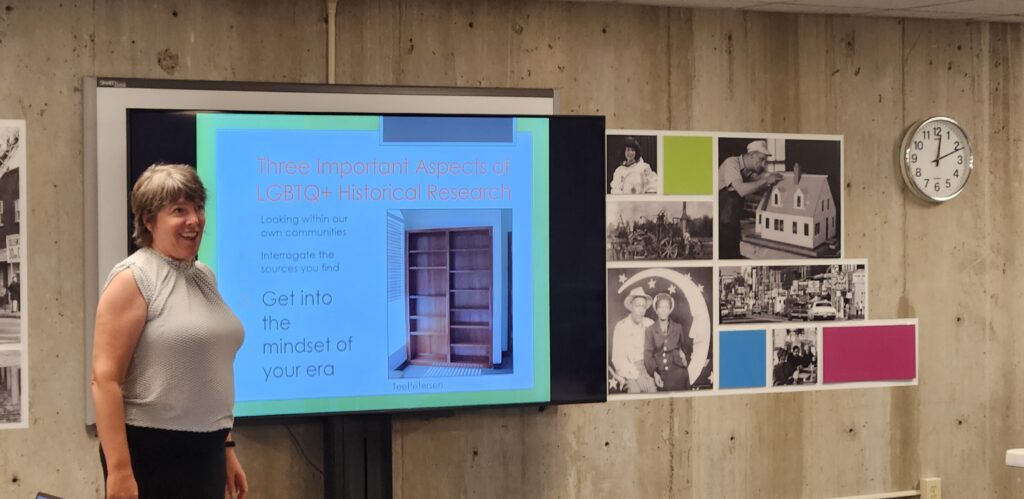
(749, 226)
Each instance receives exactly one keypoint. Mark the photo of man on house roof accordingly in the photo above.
(779, 198)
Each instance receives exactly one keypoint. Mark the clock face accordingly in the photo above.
(937, 159)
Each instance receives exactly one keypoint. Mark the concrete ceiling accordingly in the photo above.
(1006, 11)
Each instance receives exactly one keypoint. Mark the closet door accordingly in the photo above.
(427, 289)
(471, 312)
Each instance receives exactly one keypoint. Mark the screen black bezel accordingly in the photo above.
(576, 243)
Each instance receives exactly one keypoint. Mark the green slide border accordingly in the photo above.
(208, 124)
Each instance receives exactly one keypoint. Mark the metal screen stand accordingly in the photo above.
(357, 457)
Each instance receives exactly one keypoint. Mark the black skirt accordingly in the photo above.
(174, 464)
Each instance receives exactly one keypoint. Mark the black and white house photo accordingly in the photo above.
(632, 164)
(10, 387)
(780, 293)
(659, 230)
(795, 356)
(659, 330)
(779, 197)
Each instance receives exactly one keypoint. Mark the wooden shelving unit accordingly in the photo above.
(450, 288)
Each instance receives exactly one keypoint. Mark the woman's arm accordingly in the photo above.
(677, 332)
(616, 183)
(237, 484)
(120, 317)
(650, 178)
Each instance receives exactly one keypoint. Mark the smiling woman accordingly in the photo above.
(165, 344)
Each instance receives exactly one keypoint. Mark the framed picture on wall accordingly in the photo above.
(632, 164)
(659, 230)
(660, 330)
(780, 197)
(13, 329)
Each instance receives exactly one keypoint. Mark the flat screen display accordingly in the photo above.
(399, 262)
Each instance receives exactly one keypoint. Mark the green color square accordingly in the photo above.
(688, 166)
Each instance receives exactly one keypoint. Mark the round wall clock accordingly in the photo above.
(936, 159)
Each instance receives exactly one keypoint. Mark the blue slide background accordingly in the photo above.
(358, 289)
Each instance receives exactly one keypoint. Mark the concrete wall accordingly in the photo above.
(958, 267)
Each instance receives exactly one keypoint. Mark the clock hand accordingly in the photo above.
(954, 151)
(938, 150)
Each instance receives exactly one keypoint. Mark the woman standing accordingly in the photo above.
(667, 348)
(163, 354)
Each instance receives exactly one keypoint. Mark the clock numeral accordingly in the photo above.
(913, 158)
(926, 182)
(960, 159)
(918, 144)
(948, 136)
(956, 145)
(927, 134)
(917, 173)
(956, 173)
(938, 132)
(937, 186)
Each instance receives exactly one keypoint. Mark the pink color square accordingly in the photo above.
(869, 353)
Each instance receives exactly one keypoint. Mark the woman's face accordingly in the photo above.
(663, 308)
(178, 229)
(630, 154)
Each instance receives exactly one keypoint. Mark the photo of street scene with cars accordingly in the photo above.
(787, 293)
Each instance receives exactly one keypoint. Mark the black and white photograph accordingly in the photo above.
(659, 230)
(659, 334)
(779, 198)
(787, 293)
(632, 164)
(12, 330)
(10, 387)
(12, 162)
(795, 356)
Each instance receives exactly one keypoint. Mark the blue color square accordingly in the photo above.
(742, 359)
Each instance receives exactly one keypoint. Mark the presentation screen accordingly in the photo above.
(398, 262)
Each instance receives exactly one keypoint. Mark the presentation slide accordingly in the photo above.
(380, 262)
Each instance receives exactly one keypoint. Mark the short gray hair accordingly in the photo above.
(158, 186)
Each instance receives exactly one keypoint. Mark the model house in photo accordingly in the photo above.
(799, 211)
